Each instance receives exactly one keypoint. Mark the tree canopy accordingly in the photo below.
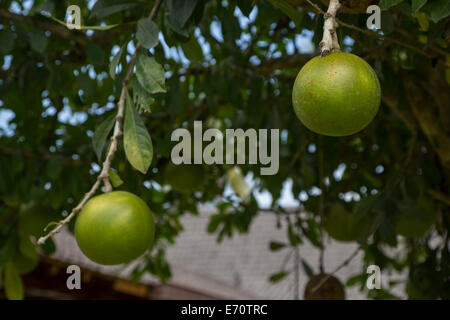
(230, 64)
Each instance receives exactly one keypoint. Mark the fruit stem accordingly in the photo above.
(330, 41)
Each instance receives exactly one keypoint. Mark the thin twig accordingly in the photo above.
(117, 135)
(342, 265)
(330, 41)
(316, 6)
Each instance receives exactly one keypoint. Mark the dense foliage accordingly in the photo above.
(231, 64)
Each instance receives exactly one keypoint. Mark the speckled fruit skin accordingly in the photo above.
(337, 95)
(114, 228)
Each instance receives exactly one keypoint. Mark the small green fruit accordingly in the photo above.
(114, 228)
(185, 178)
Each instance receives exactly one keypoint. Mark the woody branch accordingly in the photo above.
(330, 41)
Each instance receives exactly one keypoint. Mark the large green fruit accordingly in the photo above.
(336, 95)
(185, 178)
(330, 288)
(114, 228)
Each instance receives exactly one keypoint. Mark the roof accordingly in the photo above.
(236, 268)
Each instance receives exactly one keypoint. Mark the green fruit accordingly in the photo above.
(343, 225)
(336, 95)
(330, 288)
(238, 183)
(185, 178)
(114, 228)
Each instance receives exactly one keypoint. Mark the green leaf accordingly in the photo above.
(295, 15)
(95, 53)
(87, 85)
(7, 251)
(38, 40)
(115, 62)
(104, 8)
(101, 134)
(49, 246)
(275, 246)
(245, 6)
(147, 33)
(174, 97)
(438, 10)
(6, 41)
(307, 268)
(136, 140)
(13, 283)
(276, 277)
(26, 259)
(387, 25)
(150, 74)
(386, 4)
(181, 10)
(173, 26)
(141, 98)
(424, 22)
(417, 5)
(97, 28)
(27, 248)
(214, 222)
(54, 168)
(115, 178)
(50, 224)
(352, 281)
(192, 50)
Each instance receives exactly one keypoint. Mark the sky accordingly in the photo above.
(301, 44)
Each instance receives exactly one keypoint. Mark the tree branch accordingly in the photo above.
(330, 41)
(104, 173)
(342, 265)
(103, 38)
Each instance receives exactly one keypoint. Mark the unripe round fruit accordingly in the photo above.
(331, 288)
(114, 228)
(185, 178)
(336, 95)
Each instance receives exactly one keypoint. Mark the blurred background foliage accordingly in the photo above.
(232, 64)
